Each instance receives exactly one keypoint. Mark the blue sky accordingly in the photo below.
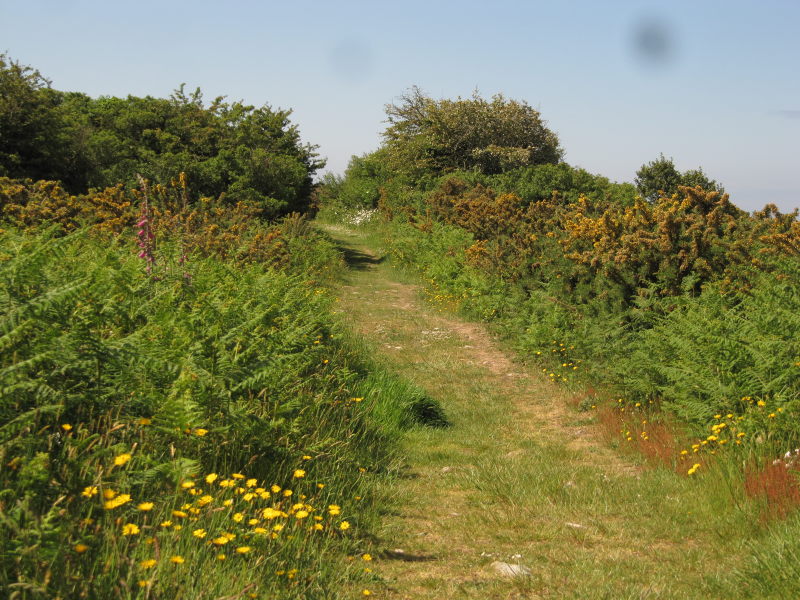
(709, 83)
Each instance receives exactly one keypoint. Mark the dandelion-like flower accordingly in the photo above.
(130, 529)
(89, 491)
(148, 563)
(344, 525)
(116, 501)
(177, 559)
(243, 549)
(122, 459)
(145, 506)
(299, 473)
(80, 548)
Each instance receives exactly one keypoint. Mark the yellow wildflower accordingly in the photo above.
(238, 517)
(299, 473)
(243, 549)
(80, 548)
(211, 477)
(187, 485)
(344, 525)
(200, 431)
(177, 560)
(66, 427)
(117, 501)
(237, 476)
(251, 482)
(180, 514)
(199, 533)
(145, 506)
(270, 513)
(89, 491)
(144, 421)
(130, 529)
(166, 523)
(122, 459)
(148, 563)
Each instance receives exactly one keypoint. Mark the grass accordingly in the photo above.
(150, 423)
(522, 476)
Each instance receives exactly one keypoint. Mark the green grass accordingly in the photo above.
(119, 385)
(519, 472)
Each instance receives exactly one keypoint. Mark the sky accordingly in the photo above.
(711, 84)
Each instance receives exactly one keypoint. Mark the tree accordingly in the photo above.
(33, 140)
(427, 136)
(660, 178)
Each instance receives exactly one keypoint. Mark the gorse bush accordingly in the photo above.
(680, 298)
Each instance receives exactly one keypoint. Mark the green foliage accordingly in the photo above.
(683, 299)
(246, 153)
(660, 178)
(203, 366)
(431, 137)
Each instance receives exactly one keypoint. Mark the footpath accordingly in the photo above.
(519, 497)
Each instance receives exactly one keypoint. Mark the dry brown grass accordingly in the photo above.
(777, 485)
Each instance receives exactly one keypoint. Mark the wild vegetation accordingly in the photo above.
(228, 150)
(677, 308)
(181, 412)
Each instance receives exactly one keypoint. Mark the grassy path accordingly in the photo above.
(520, 477)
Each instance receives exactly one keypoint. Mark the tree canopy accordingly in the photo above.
(660, 178)
(244, 152)
(428, 136)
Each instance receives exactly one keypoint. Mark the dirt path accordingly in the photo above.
(520, 477)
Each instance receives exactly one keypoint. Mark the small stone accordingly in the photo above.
(575, 525)
(509, 570)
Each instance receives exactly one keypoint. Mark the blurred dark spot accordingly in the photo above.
(653, 42)
(351, 61)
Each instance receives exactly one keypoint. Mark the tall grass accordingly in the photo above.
(200, 431)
